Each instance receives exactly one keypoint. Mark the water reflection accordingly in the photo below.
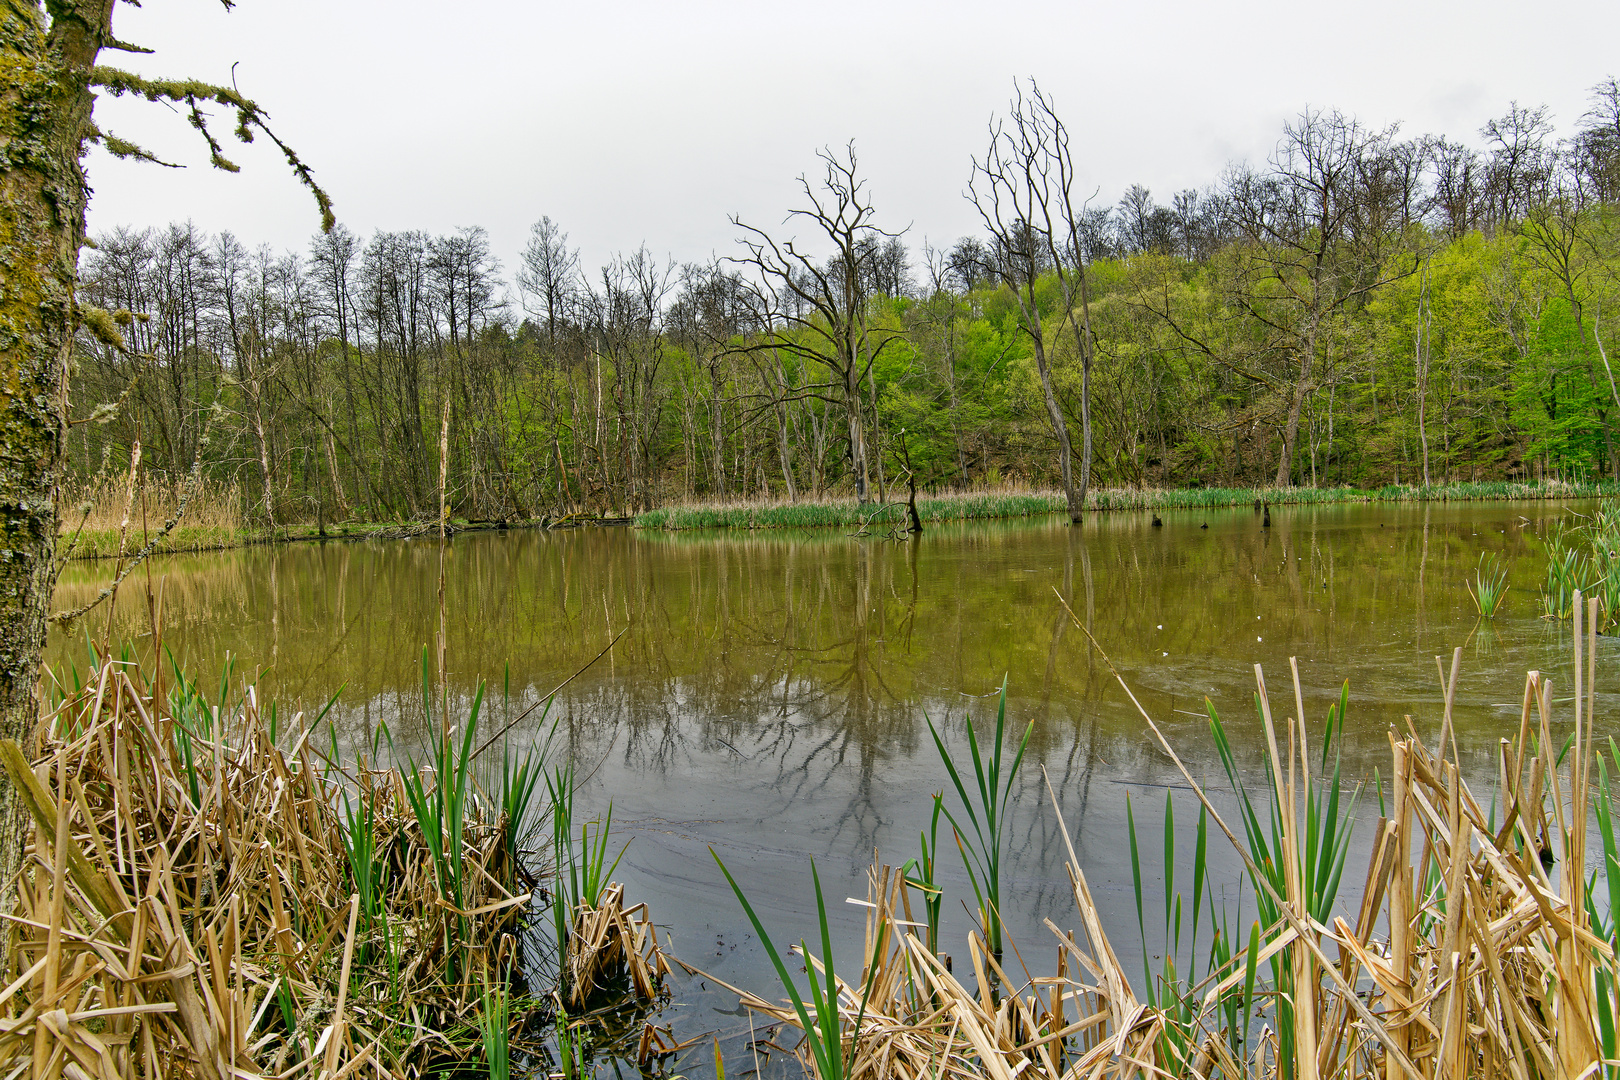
(768, 695)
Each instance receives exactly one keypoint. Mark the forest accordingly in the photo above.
(1360, 308)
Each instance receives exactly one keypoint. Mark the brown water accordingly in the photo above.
(768, 694)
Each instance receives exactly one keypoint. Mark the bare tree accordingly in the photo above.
(1320, 230)
(1024, 192)
(968, 263)
(1459, 195)
(625, 317)
(1597, 145)
(817, 309)
(1517, 164)
(711, 313)
(549, 274)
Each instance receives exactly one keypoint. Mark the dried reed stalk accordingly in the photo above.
(611, 944)
(186, 907)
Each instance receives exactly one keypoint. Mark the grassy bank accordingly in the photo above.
(847, 513)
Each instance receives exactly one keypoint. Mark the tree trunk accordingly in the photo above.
(956, 410)
(717, 444)
(45, 103)
(1421, 358)
(857, 434)
(1059, 427)
(262, 439)
(1084, 342)
(877, 439)
(785, 453)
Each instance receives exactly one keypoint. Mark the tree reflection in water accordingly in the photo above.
(769, 692)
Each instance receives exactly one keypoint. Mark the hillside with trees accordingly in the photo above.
(1359, 308)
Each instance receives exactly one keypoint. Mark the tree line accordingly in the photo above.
(1357, 308)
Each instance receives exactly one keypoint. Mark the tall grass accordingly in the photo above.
(986, 813)
(1489, 585)
(494, 1029)
(848, 514)
(821, 1018)
(1171, 989)
(1281, 870)
(266, 911)
(1583, 557)
(100, 520)
(922, 874)
(441, 810)
(603, 944)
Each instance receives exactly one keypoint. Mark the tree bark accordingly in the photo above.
(1083, 342)
(45, 103)
(857, 433)
(1054, 413)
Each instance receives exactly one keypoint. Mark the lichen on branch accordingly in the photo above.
(192, 94)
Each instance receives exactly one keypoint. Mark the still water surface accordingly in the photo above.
(768, 695)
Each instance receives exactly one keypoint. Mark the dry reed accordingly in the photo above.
(1483, 944)
(105, 516)
(189, 906)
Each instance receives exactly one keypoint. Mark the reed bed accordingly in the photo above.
(106, 516)
(205, 895)
(1582, 558)
(848, 514)
(1483, 942)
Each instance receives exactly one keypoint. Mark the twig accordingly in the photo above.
(510, 724)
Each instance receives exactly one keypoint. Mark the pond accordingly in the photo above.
(768, 695)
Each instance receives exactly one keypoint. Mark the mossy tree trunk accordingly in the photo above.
(47, 51)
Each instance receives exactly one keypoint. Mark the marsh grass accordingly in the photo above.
(985, 810)
(882, 517)
(1489, 585)
(1583, 557)
(821, 1017)
(200, 897)
(99, 519)
(1483, 942)
(606, 945)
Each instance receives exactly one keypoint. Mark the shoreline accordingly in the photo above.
(101, 544)
(845, 512)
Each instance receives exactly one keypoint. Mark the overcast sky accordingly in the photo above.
(646, 121)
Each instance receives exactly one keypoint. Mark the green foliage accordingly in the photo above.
(581, 869)
(494, 1022)
(1489, 585)
(820, 1018)
(921, 874)
(441, 807)
(1173, 988)
(981, 841)
(1326, 830)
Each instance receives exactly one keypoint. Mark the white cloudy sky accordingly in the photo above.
(650, 121)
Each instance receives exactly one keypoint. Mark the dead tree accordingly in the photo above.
(817, 308)
(1024, 192)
